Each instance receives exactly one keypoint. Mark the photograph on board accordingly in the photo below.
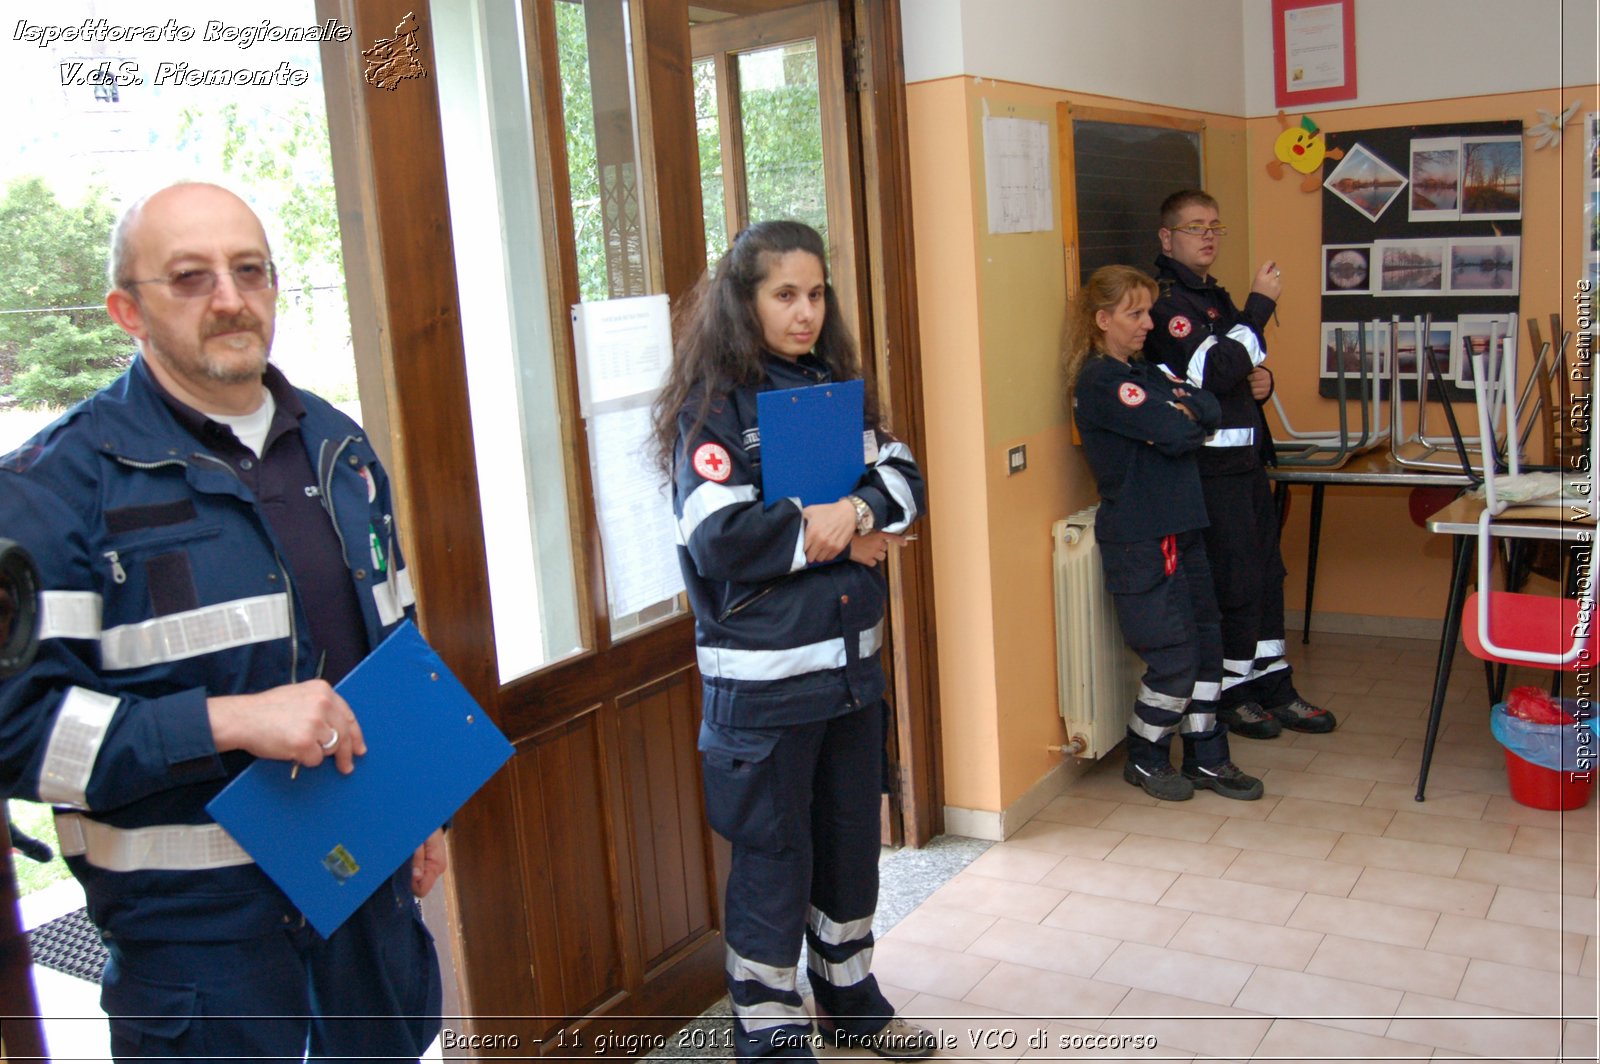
(1365, 182)
(1491, 178)
(1354, 345)
(1409, 267)
(1480, 334)
(1346, 269)
(1484, 265)
(1441, 337)
(1435, 179)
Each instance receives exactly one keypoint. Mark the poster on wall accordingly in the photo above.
(1314, 51)
(1366, 182)
(1452, 252)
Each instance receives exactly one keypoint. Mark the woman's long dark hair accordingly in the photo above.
(717, 341)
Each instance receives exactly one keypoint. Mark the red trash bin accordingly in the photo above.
(1547, 788)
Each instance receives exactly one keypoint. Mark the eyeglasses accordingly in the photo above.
(1201, 230)
(194, 284)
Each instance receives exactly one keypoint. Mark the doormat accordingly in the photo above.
(69, 944)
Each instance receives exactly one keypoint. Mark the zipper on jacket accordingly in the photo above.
(325, 463)
(745, 602)
(118, 574)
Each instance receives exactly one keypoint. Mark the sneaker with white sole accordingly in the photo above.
(1249, 720)
(1226, 779)
(1159, 781)
(1300, 715)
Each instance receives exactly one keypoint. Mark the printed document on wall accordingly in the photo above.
(637, 530)
(624, 347)
(1016, 161)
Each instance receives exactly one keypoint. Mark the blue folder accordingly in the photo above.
(812, 447)
(330, 840)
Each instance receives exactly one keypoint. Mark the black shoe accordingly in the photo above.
(1249, 720)
(1160, 781)
(1226, 780)
(1301, 715)
(898, 1040)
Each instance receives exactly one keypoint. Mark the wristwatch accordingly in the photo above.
(865, 522)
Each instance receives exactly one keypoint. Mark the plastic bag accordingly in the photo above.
(1568, 747)
(1537, 705)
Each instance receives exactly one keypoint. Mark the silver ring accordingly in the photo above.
(1277, 273)
(333, 741)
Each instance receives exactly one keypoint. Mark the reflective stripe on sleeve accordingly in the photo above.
(162, 848)
(195, 632)
(871, 641)
(393, 596)
(706, 500)
(894, 482)
(69, 615)
(1232, 438)
(69, 756)
(1246, 338)
(799, 561)
(1196, 374)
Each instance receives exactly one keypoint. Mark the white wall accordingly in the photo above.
(1182, 53)
(1186, 53)
(1411, 50)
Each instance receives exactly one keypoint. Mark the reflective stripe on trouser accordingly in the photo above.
(803, 821)
(1247, 567)
(1172, 626)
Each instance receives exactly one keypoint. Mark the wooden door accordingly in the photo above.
(582, 897)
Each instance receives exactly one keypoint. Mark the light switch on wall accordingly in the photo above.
(1017, 459)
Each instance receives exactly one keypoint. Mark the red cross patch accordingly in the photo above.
(1130, 394)
(1179, 327)
(711, 462)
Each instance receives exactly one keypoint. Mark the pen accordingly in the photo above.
(322, 661)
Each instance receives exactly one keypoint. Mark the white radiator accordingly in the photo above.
(1098, 674)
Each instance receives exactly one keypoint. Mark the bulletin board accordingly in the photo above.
(1421, 220)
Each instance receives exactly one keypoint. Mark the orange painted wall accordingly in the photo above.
(1373, 560)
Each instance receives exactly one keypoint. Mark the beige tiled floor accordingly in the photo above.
(1335, 919)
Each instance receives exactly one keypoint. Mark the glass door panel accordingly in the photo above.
(782, 136)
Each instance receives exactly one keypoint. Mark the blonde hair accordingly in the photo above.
(1105, 290)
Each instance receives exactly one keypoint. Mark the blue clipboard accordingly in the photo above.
(329, 840)
(811, 442)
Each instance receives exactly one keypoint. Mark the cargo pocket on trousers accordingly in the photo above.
(152, 1019)
(741, 781)
(1132, 568)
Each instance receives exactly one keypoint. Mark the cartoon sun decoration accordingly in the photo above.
(1302, 147)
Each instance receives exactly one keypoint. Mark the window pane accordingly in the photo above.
(608, 220)
(782, 125)
(500, 272)
(709, 135)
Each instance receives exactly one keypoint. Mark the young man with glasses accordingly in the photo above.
(216, 548)
(1201, 336)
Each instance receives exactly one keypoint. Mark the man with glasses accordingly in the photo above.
(1201, 336)
(216, 549)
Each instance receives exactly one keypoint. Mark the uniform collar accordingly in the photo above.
(211, 433)
(805, 370)
(1166, 264)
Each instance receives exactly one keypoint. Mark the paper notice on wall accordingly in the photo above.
(637, 530)
(624, 347)
(1016, 162)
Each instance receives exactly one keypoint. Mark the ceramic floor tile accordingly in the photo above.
(1050, 948)
(1317, 788)
(1478, 1030)
(1065, 839)
(1173, 855)
(1182, 1023)
(1531, 873)
(1130, 921)
(1540, 908)
(1164, 822)
(1038, 993)
(1440, 801)
(966, 1031)
(1212, 802)
(1248, 901)
(1019, 864)
(1331, 816)
(1076, 809)
(1526, 990)
(1369, 920)
(997, 897)
(1293, 873)
(1246, 940)
(1591, 958)
(1108, 786)
(1466, 755)
(1275, 837)
(1109, 880)
(939, 925)
(1300, 1040)
(1379, 964)
(1434, 894)
(1352, 1006)
(1507, 811)
(1256, 756)
(1554, 843)
(1391, 727)
(1515, 944)
(1363, 767)
(1579, 1041)
(928, 969)
(1171, 971)
(1399, 854)
(1451, 831)
(1490, 782)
